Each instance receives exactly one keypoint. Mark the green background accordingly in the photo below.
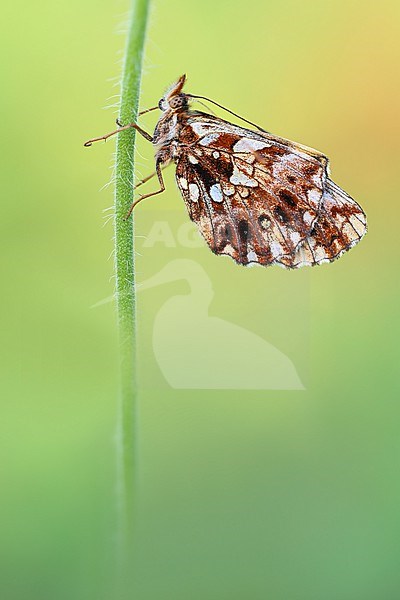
(288, 495)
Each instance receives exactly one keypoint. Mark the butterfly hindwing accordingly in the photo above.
(340, 225)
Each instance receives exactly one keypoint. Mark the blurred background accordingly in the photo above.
(251, 492)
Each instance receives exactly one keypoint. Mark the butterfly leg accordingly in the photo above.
(146, 135)
(142, 181)
(162, 188)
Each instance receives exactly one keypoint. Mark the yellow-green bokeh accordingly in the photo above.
(262, 494)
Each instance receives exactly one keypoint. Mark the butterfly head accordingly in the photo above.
(173, 98)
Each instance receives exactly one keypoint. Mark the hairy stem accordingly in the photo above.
(125, 272)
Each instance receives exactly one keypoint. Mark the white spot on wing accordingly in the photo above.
(276, 249)
(301, 256)
(240, 178)
(229, 189)
(252, 256)
(308, 218)
(194, 192)
(216, 193)
(216, 154)
(249, 145)
(183, 182)
(208, 139)
(193, 159)
(200, 129)
(314, 195)
(264, 221)
(295, 237)
(319, 253)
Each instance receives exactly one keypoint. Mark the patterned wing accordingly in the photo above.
(254, 197)
(340, 225)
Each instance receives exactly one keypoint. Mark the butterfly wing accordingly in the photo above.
(255, 197)
(340, 225)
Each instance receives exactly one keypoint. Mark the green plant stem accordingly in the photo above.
(125, 270)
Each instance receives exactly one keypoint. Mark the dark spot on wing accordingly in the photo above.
(335, 211)
(228, 232)
(274, 151)
(223, 166)
(325, 232)
(291, 178)
(243, 230)
(206, 176)
(280, 214)
(311, 168)
(288, 198)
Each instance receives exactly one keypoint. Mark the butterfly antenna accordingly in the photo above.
(229, 111)
(142, 112)
(205, 106)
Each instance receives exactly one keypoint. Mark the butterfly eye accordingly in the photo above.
(178, 101)
(161, 104)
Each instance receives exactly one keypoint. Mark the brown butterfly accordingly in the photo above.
(254, 196)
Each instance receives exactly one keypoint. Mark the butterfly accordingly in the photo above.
(256, 197)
